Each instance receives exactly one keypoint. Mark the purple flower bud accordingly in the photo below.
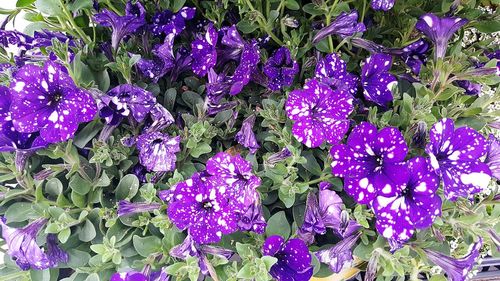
(253, 220)
(420, 134)
(339, 256)
(382, 5)
(246, 136)
(456, 269)
(371, 268)
(472, 89)
(493, 156)
(55, 253)
(495, 238)
(279, 156)
(346, 24)
(126, 208)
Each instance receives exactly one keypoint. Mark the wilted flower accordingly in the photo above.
(319, 112)
(454, 155)
(344, 25)
(124, 100)
(420, 134)
(414, 206)
(332, 71)
(253, 220)
(157, 151)
(158, 119)
(280, 69)
(47, 100)
(246, 136)
(415, 55)
(249, 59)
(163, 61)
(279, 156)
(493, 156)
(376, 80)
(134, 18)
(126, 208)
(203, 51)
(371, 162)
(456, 269)
(439, 31)
(22, 246)
(55, 253)
(167, 22)
(384, 5)
(339, 256)
(470, 88)
(15, 40)
(294, 260)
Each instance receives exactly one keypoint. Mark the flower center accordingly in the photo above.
(207, 205)
(57, 97)
(157, 141)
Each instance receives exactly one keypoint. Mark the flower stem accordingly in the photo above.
(322, 178)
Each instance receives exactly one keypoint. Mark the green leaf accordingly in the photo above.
(200, 149)
(278, 225)
(19, 211)
(487, 26)
(87, 232)
(191, 98)
(79, 185)
(64, 235)
(169, 99)
(177, 5)
(127, 188)
(292, 5)
(146, 245)
(77, 258)
(40, 274)
(246, 272)
(93, 277)
(49, 7)
(24, 3)
(246, 26)
(313, 9)
(54, 187)
(311, 164)
(87, 134)
(78, 5)
(78, 199)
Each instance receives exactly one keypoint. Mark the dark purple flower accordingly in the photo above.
(454, 156)
(55, 253)
(163, 61)
(47, 100)
(376, 80)
(22, 246)
(319, 112)
(132, 21)
(383, 5)
(189, 248)
(217, 87)
(128, 276)
(294, 259)
(456, 269)
(44, 38)
(213, 108)
(237, 173)
(493, 156)
(439, 31)
(246, 136)
(158, 119)
(124, 100)
(415, 206)
(495, 55)
(471, 88)
(253, 220)
(344, 25)
(332, 71)
(279, 156)
(373, 47)
(203, 51)
(324, 185)
(371, 162)
(249, 59)
(126, 208)
(339, 256)
(14, 40)
(157, 151)
(280, 69)
(167, 22)
(414, 55)
(204, 206)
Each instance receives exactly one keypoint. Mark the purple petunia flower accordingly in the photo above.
(203, 51)
(344, 25)
(246, 136)
(471, 88)
(456, 269)
(454, 156)
(279, 156)
(126, 208)
(383, 5)
(322, 212)
(47, 100)
(15, 40)
(21, 245)
(190, 248)
(249, 59)
(439, 31)
(124, 100)
(376, 80)
(253, 220)
(157, 151)
(493, 156)
(158, 119)
(163, 62)
(280, 69)
(204, 206)
(332, 71)
(128, 276)
(133, 20)
(414, 55)
(415, 206)
(371, 162)
(237, 173)
(55, 253)
(294, 259)
(167, 22)
(339, 256)
(319, 112)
